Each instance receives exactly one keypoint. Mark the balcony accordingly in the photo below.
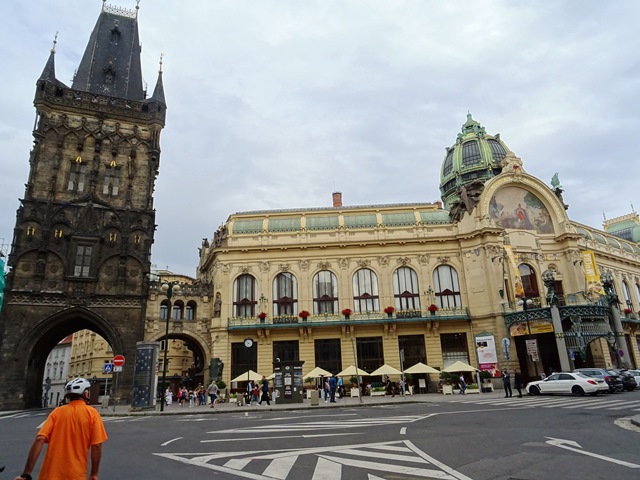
(365, 318)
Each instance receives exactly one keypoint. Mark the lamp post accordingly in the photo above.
(169, 288)
(355, 356)
(525, 302)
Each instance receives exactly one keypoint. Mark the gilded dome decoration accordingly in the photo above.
(476, 156)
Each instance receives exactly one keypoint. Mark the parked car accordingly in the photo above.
(628, 381)
(636, 376)
(568, 383)
(614, 381)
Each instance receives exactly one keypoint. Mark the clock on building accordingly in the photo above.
(248, 342)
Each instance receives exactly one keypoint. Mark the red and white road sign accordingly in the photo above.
(118, 361)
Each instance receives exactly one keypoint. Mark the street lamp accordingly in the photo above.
(169, 288)
(525, 303)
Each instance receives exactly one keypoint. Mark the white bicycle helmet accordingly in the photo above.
(77, 386)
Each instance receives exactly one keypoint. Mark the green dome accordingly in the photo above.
(474, 156)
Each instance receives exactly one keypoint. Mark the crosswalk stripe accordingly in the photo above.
(396, 469)
(386, 456)
(628, 405)
(601, 405)
(280, 467)
(326, 470)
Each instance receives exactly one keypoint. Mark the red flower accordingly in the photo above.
(303, 314)
(262, 315)
(389, 310)
(627, 311)
(347, 311)
(432, 307)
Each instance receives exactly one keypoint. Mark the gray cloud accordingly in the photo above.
(274, 104)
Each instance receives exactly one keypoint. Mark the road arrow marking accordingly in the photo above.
(575, 447)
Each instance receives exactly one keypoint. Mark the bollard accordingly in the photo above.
(315, 401)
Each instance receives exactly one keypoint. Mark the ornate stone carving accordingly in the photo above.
(324, 265)
(304, 265)
(344, 263)
(383, 261)
(423, 259)
(404, 261)
(443, 259)
(364, 263)
(265, 266)
(284, 267)
(469, 196)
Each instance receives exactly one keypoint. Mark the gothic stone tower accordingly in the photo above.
(82, 241)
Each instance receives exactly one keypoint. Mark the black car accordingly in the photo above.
(628, 380)
(612, 378)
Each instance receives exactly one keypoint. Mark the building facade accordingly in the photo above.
(495, 277)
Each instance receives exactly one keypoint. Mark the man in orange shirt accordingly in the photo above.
(70, 431)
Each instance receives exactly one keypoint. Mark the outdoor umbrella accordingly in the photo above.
(351, 371)
(386, 370)
(459, 367)
(421, 368)
(318, 372)
(246, 376)
(272, 376)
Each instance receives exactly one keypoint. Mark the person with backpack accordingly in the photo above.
(265, 391)
(212, 390)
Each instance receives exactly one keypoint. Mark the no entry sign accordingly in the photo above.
(118, 361)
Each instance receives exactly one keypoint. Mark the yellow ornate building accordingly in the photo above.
(494, 276)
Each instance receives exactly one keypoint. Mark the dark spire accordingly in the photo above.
(158, 92)
(111, 62)
(49, 72)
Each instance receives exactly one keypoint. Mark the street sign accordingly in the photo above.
(108, 368)
(532, 349)
(118, 360)
(117, 369)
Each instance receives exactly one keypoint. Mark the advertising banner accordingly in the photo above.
(594, 287)
(487, 354)
(534, 328)
(518, 289)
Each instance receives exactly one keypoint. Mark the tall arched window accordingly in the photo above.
(529, 281)
(244, 299)
(627, 295)
(164, 310)
(325, 292)
(190, 311)
(406, 290)
(285, 294)
(365, 291)
(177, 312)
(447, 287)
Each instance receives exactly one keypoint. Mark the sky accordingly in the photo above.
(277, 104)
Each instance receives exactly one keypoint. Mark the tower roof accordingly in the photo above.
(475, 156)
(158, 92)
(111, 62)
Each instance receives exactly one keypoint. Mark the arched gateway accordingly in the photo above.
(81, 246)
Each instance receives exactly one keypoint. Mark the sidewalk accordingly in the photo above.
(346, 402)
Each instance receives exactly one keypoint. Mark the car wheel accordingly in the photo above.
(534, 390)
(577, 390)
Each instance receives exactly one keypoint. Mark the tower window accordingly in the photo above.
(111, 181)
(448, 164)
(77, 176)
(83, 261)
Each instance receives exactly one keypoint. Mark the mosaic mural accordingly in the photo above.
(514, 207)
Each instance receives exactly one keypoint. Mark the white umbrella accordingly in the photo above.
(272, 376)
(459, 367)
(351, 371)
(318, 372)
(386, 370)
(421, 368)
(246, 376)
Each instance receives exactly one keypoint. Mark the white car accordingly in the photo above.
(564, 382)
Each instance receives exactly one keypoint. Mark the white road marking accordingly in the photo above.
(571, 445)
(170, 441)
(326, 470)
(280, 467)
(602, 404)
(283, 436)
(403, 431)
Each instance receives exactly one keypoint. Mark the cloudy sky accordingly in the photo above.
(276, 104)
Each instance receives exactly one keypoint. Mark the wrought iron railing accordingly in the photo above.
(284, 321)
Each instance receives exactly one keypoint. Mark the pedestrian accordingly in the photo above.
(326, 390)
(212, 391)
(71, 432)
(463, 385)
(506, 380)
(168, 396)
(340, 388)
(248, 396)
(265, 391)
(183, 396)
(333, 383)
(517, 381)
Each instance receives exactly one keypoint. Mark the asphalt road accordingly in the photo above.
(465, 438)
